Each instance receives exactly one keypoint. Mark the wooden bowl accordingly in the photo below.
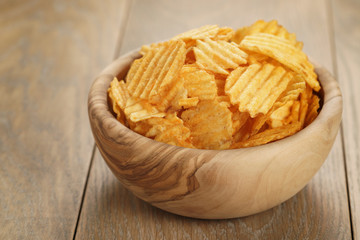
(212, 184)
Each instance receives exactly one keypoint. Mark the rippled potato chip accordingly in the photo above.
(169, 129)
(256, 88)
(210, 124)
(271, 27)
(189, 102)
(190, 37)
(155, 76)
(118, 95)
(208, 31)
(199, 83)
(284, 52)
(312, 111)
(269, 135)
(137, 109)
(216, 88)
(218, 56)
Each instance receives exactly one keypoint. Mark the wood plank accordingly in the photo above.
(346, 17)
(50, 51)
(319, 211)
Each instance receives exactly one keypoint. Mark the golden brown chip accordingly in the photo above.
(207, 31)
(225, 99)
(137, 109)
(251, 127)
(144, 49)
(224, 34)
(293, 90)
(269, 135)
(170, 130)
(220, 80)
(304, 104)
(218, 56)
(258, 123)
(141, 127)
(239, 119)
(118, 95)
(312, 110)
(190, 37)
(189, 102)
(198, 83)
(257, 58)
(295, 113)
(271, 27)
(116, 109)
(190, 57)
(156, 76)
(256, 88)
(279, 115)
(120, 92)
(284, 52)
(210, 124)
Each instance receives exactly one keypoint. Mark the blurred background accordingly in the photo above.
(54, 183)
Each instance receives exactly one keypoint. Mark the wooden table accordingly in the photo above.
(53, 182)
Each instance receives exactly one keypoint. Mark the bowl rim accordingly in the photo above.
(98, 102)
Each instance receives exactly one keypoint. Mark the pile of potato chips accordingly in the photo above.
(216, 88)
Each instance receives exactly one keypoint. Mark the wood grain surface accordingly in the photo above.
(347, 52)
(320, 211)
(49, 53)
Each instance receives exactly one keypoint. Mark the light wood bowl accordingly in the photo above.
(212, 184)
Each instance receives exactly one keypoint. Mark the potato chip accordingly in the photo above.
(251, 127)
(224, 34)
(156, 77)
(142, 127)
(282, 50)
(133, 69)
(258, 123)
(312, 110)
(120, 92)
(190, 57)
(207, 31)
(189, 102)
(137, 109)
(169, 130)
(304, 103)
(144, 49)
(220, 86)
(218, 56)
(256, 88)
(210, 125)
(293, 90)
(220, 80)
(273, 87)
(269, 135)
(198, 83)
(295, 113)
(257, 58)
(239, 119)
(278, 117)
(119, 95)
(271, 27)
(225, 99)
